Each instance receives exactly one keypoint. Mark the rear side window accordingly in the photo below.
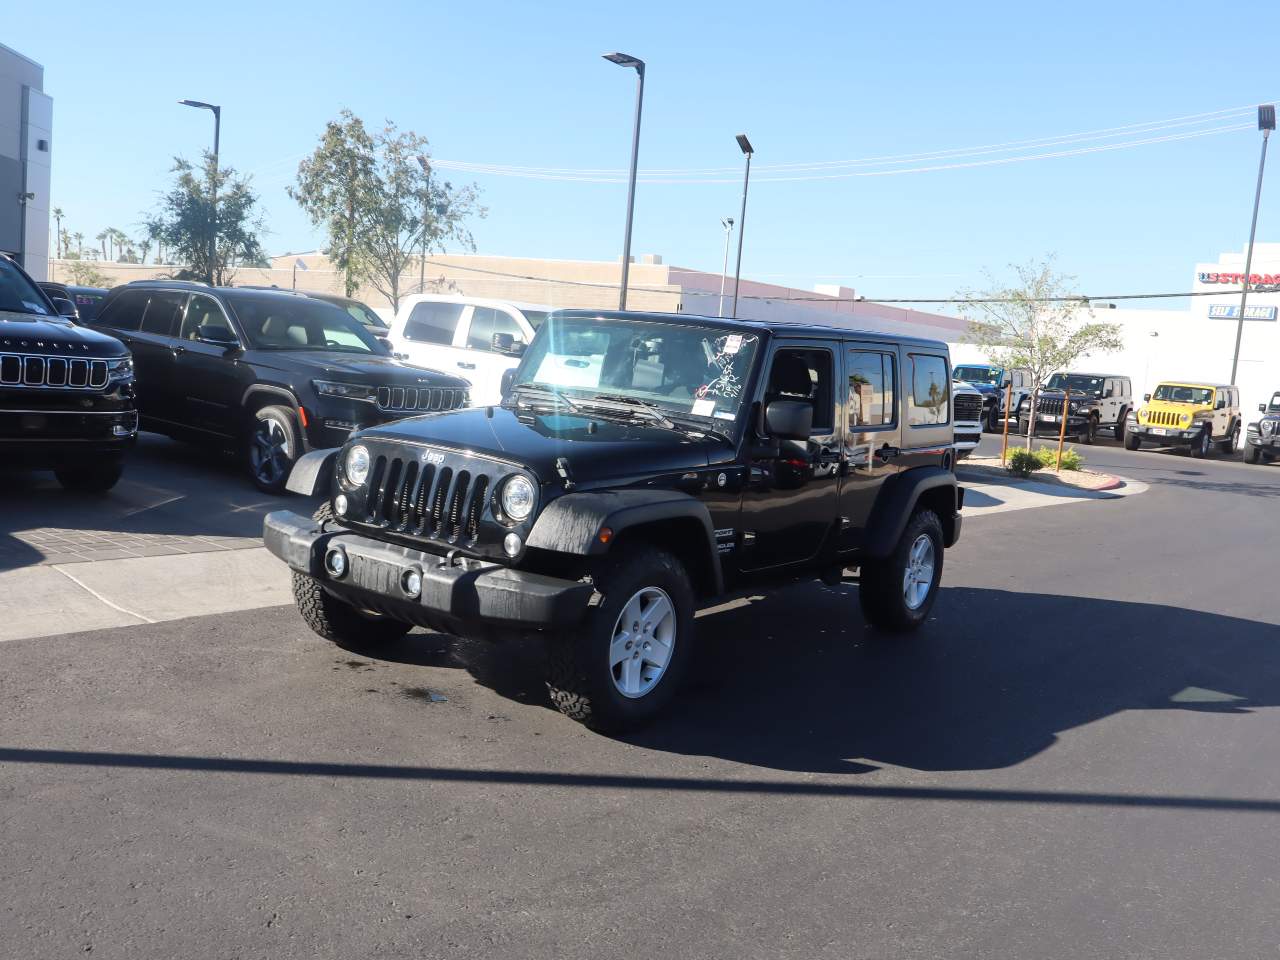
(433, 322)
(485, 322)
(125, 311)
(871, 389)
(930, 391)
(164, 312)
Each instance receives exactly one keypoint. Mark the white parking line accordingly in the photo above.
(110, 603)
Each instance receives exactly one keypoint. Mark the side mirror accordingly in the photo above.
(1146, 398)
(508, 380)
(1005, 384)
(1220, 405)
(1108, 394)
(506, 343)
(788, 419)
(219, 336)
(65, 308)
(1262, 408)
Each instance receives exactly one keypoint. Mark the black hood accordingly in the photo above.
(26, 333)
(596, 448)
(358, 368)
(1047, 394)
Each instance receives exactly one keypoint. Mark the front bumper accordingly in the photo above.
(1172, 437)
(52, 437)
(1269, 442)
(455, 591)
(967, 435)
(1076, 424)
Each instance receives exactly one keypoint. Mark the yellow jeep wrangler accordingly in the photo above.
(1191, 414)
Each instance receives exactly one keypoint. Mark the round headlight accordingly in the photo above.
(356, 466)
(518, 496)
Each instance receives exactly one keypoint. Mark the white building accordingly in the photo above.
(26, 136)
(1193, 339)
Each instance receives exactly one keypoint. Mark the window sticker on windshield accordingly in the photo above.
(733, 344)
(34, 307)
(704, 408)
(725, 415)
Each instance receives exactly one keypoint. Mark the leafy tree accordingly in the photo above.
(85, 274)
(376, 198)
(182, 222)
(332, 189)
(1038, 323)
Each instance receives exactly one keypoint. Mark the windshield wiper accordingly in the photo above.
(635, 405)
(553, 392)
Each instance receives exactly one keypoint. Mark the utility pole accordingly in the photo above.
(727, 223)
(1266, 123)
(745, 145)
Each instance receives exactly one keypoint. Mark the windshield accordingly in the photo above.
(1274, 405)
(536, 318)
(1076, 383)
(680, 368)
(364, 315)
(18, 294)
(1175, 393)
(282, 322)
(987, 375)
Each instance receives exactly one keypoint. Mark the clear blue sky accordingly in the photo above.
(523, 84)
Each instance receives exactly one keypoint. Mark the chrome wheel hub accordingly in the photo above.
(917, 581)
(644, 637)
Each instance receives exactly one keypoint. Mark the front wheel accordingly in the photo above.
(1201, 444)
(1090, 431)
(994, 422)
(1252, 454)
(271, 448)
(90, 478)
(898, 591)
(1132, 441)
(621, 666)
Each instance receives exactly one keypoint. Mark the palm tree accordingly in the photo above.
(57, 216)
(102, 239)
(79, 239)
(144, 247)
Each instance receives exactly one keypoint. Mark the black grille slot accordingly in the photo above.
(404, 499)
(56, 374)
(968, 407)
(33, 371)
(11, 369)
(456, 501)
(79, 374)
(375, 488)
(475, 507)
(437, 501)
(1051, 407)
(422, 497)
(390, 490)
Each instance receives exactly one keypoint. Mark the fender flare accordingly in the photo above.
(896, 502)
(283, 393)
(312, 473)
(571, 523)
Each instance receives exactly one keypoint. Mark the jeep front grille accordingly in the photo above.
(52, 373)
(1164, 418)
(1051, 407)
(423, 499)
(968, 407)
(419, 400)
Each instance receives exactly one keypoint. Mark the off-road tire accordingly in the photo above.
(1231, 441)
(1118, 431)
(1132, 441)
(994, 423)
(283, 418)
(880, 585)
(1252, 454)
(1090, 432)
(336, 620)
(90, 478)
(579, 677)
(1201, 445)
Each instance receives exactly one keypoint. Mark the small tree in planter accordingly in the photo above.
(1037, 323)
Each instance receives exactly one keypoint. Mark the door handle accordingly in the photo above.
(887, 453)
(466, 366)
(177, 350)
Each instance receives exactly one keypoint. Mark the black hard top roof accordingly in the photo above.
(776, 327)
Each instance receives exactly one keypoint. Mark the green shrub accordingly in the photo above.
(1022, 462)
(1048, 457)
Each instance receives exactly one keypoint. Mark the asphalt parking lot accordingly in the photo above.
(1078, 756)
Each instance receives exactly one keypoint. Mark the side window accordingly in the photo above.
(433, 322)
(480, 336)
(201, 312)
(871, 389)
(125, 311)
(930, 391)
(805, 375)
(1108, 388)
(163, 313)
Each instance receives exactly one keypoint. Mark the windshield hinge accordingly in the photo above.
(562, 468)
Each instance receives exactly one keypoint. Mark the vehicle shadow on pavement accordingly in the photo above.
(801, 684)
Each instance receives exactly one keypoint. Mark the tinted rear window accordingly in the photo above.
(124, 312)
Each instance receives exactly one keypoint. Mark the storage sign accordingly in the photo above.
(1227, 311)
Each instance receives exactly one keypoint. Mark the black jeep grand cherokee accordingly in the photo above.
(266, 374)
(639, 466)
(66, 393)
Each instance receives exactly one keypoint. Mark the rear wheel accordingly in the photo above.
(897, 592)
(621, 666)
(1118, 429)
(1231, 442)
(272, 447)
(90, 478)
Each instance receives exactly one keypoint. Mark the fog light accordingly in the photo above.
(340, 504)
(511, 543)
(411, 583)
(335, 561)
(120, 431)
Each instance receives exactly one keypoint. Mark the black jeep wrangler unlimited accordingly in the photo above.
(640, 465)
(66, 393)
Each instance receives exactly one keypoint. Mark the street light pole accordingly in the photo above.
(213, 183)
(625, 60)
(727, 223)
(1266, 123)
(745, 145)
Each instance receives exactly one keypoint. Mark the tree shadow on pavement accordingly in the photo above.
(803, 685)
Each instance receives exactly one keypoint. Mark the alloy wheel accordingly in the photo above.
(644, 637)
(270, 452)
(917, 579)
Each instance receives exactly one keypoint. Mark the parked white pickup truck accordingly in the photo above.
(467, 336)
